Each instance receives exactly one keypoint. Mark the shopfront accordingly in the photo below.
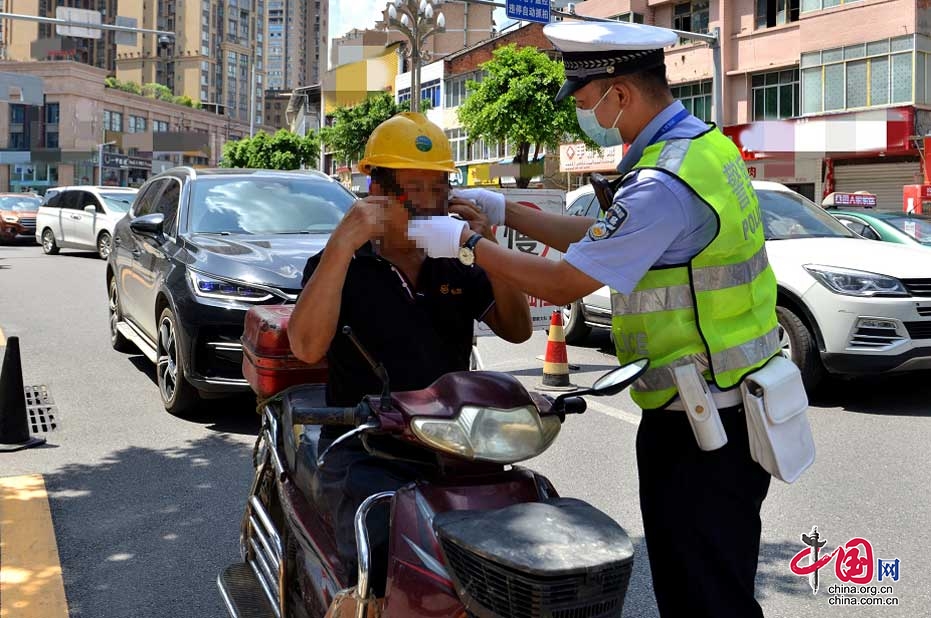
(33, 177)
(121, 170)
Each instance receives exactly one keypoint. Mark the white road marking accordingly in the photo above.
(633, 419)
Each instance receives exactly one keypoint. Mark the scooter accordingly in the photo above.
(476, 535)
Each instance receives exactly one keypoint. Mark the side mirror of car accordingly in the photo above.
(90, 208)
(148, 225)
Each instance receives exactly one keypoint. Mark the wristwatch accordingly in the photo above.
(467, 251)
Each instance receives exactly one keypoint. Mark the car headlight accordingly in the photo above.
(490, 434)
(11, 218)
(210, 287)
(856, 282)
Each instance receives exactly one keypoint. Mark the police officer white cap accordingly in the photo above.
(597, 50)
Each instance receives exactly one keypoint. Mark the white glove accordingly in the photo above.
(440, 236)
(491, 203)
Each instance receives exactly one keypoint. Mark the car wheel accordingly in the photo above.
(178, 396)
(574, 326)
(104, 245)
(49, 246)
(117, 341)
(798, 345)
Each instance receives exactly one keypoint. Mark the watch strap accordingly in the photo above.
(473, 240)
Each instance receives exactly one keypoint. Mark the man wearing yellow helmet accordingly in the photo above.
(413, 313)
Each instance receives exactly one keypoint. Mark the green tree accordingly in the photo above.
(352, 126)
(514, 102)
(282, 151)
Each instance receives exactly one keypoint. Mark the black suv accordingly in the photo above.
(196, 251)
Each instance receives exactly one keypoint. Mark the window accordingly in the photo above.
(581, 205)
(167, 204)
(17, 114)
(636, 18)
(817, 5)
(878, 73)
(775, 95)
(112, 121)
(136, 124)
(691, 16)
(771, 13)
(51, 113)
(51, 139)
(18, 141)
(145, 203)
(457, 141)
(160, 126)
(696, 98)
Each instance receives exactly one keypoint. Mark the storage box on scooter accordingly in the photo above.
(267, 362)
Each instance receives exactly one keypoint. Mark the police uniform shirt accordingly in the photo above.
(654, 218)
(418, 330)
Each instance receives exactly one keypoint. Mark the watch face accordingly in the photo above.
(466, 256)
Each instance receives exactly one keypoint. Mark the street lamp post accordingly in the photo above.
(418, 21)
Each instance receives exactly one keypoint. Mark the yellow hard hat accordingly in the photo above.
(408, 141)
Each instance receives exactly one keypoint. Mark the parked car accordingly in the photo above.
(18, 215)
(861, 213)
(196, 251)
(82, 218)
(846, 305)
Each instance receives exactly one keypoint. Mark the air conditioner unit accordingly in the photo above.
(570, 8)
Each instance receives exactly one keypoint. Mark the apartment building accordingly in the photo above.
(56, 144)
(295, 42)
(822, 95)
(29, 40)
(216, 56)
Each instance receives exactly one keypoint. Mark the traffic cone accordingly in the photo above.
(14, 418)
(556, 363)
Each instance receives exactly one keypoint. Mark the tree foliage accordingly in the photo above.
(514, 102)
(353, 125)
(152, 91)
(283, 150)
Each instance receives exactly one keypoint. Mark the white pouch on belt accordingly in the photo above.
(775, 403)
(700, 408)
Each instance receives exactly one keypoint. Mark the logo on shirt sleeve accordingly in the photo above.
(612, 222)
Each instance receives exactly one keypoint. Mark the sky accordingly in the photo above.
(348, 14)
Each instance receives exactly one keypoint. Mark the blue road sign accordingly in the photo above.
(529, 10)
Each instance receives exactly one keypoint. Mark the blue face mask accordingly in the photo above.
(588, 122)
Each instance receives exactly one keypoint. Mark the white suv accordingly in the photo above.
(81, 217)
(846, 305)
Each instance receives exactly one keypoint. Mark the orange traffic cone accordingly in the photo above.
(556, 363)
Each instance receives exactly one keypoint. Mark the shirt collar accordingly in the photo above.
(635, 152)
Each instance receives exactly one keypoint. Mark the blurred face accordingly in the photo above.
(425, 192)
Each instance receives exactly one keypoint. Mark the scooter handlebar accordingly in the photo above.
(353, 416)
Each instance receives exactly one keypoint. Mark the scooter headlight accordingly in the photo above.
(490, 434)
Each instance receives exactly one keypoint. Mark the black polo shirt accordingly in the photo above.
(419, 332)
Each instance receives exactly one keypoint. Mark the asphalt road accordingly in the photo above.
(146, 506)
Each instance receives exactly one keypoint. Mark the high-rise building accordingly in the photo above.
(295, 35)
(216, 56)
(28, 40)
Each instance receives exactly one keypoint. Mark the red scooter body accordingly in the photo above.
(474, 536)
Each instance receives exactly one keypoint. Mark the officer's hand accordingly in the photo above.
(363, 222)
(491, 203)
(477, 220)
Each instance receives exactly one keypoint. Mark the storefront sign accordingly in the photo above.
(114, 159)
(580, 158)
(855, 199)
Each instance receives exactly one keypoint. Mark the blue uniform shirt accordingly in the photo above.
(654, 219)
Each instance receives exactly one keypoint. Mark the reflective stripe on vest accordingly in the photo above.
(717, 311)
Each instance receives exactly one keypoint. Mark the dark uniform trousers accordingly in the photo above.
(701, 516)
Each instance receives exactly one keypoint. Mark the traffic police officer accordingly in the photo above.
(682, 249)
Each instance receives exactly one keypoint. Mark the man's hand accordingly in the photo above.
(470, 213)
(363, 222)
(491, 203)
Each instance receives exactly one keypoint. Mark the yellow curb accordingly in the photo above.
(31, 585)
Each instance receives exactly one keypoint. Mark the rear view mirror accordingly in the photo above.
(90, 208)
(610, 383)
(148, 225)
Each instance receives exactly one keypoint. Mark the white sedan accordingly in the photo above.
(846, 305)
(81, 217)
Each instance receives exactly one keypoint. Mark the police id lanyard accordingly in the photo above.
(668, 126)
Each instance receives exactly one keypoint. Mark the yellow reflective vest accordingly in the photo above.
(718, 310)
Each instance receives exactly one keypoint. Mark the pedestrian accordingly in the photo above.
(692, 291)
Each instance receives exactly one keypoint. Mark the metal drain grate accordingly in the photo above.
(41, 409)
